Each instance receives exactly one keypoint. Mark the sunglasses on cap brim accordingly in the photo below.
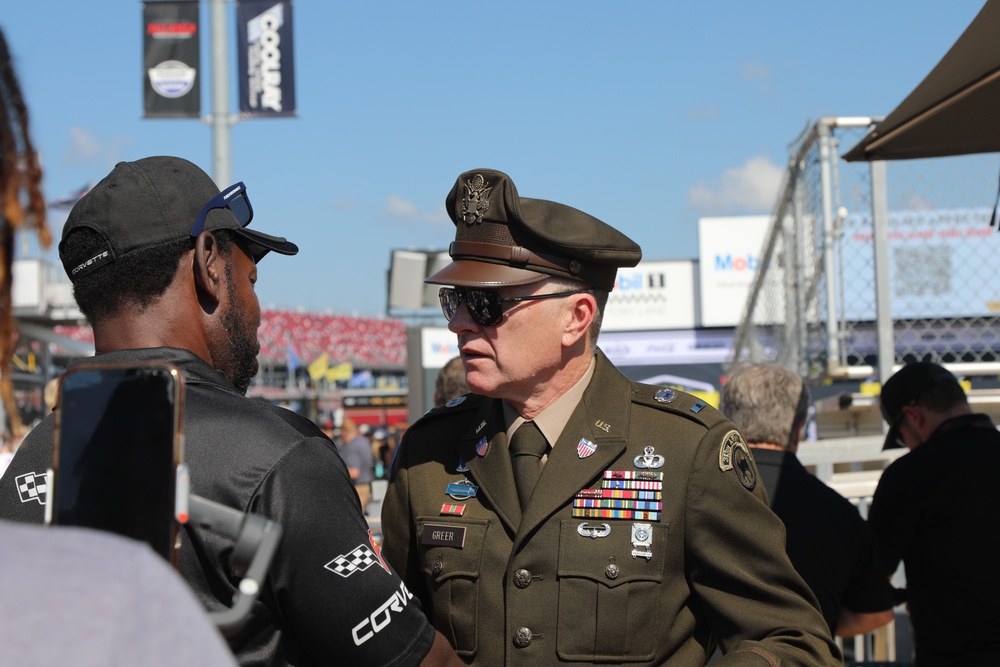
(486, 306)
(234, 198)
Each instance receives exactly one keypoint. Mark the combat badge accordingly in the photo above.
(735, 455)
(462, 490)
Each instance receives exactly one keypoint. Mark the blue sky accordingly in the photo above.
(647, 115)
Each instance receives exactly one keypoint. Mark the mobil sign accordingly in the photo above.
(652, 296)
(729, 251)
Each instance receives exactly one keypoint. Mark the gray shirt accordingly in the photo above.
(72, 596)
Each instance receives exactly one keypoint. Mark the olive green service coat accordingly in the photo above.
(507, 589)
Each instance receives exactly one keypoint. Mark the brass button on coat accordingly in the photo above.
(522, 637)
(522, 578)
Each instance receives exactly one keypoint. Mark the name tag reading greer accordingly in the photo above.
(443, 535)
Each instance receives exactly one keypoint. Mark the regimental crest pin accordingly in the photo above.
(585, 448)
(648, 459)
(665, 395)
(482, 446)
(735, 455)
(462, 466)
(476, 201)
(458, 400)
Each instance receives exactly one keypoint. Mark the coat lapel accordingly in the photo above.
(492, 473)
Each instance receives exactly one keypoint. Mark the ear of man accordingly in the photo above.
(578, 314)
(209, 271)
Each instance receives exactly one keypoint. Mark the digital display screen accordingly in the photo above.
(116, 453)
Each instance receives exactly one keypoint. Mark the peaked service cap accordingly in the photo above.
(151, 202)
(504, 239)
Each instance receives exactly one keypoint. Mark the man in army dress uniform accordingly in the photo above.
(562, 514)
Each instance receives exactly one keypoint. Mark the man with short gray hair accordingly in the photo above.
(827, 540)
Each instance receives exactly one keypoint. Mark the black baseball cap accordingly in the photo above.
(502, 238)
(151, 202)
(907, 387)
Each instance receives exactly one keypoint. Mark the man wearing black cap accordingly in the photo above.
(561, 514)
(163, 266)
(935, 509)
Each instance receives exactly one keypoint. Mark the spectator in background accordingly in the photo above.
(357, 454)
(382, 451)
(827, 540)
(935, 509)
(450, 382)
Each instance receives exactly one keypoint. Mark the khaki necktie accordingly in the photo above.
(526, 449)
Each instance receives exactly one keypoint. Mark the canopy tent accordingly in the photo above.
(954, 109)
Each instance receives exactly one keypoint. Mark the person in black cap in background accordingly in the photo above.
(563, 514)
(163, 266)
(829, 543)
(935, 508)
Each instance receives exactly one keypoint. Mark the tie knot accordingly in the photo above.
(528, 441)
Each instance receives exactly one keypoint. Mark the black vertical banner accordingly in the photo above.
(266, 63)
(171, 59)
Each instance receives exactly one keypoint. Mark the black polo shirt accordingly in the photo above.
(827, 541)
(935, 509)
(329, 597)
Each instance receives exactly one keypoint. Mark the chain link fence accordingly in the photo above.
(824, 306)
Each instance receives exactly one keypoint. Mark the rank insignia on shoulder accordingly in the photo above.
(458, 400)
(735, 455)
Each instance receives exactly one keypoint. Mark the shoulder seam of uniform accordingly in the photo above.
(681, 404)
(470, 402)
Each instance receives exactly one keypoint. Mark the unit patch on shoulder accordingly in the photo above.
(735, 455)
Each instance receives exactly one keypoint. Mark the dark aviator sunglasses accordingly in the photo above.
(233, 198)
(486, 306)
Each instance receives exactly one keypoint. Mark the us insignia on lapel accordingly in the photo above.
(482, 447)
(585, 448)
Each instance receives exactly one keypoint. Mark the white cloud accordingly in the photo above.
(86, 148)
(404, 209)
(750, 188)
(756, 71)
(707, 112)
(83, 145)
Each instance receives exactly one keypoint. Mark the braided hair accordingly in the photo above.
(21, 204)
